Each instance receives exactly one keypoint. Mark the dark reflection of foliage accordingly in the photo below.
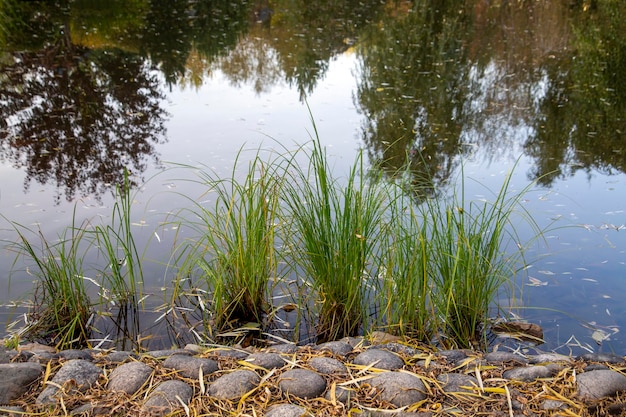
(174, 27)
(76, 116)
(582, 119)
(413, 91)
(310, 33)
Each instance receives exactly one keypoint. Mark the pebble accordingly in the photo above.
(167, 381)
(234, 385)
(75, 376)
(167, 397)
(594, 385)
(399, 388)
(129, 377)
(302, 383)
(379, 359)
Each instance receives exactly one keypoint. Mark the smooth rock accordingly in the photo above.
(129, 377)
(164, 353)
(7, 355)
(328, 366)
(602, 357)
(288, 348)
(337, 348)
(234, 385)
(287, 410)
(454, 382)
(302, 383)
(594, 385)
(266, 360)
(165, 398)
(527, 373)
(453, 355)
(12, 411)
(549, 358)
(380, 359)
(16, 378)
(339, 393)
(231, 353)
(399, 388)
(398, 348)
(70, 354)
(119, 356)
(75, 375)
(189, 366)
(498, 358)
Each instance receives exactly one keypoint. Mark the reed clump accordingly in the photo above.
(367, 254)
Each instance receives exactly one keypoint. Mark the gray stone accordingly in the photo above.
(549, 358)
(302, 383)
(340, 393)
(15, 379)
(454, 355)
(196, 349)
(336, 347)
(399, 388)
(70, 354)
(234, 385)
(167, 397)
(527, 373)
(76, 375)
(7, 355)
(355, 341)
(285, 348)
(553, 405)
(43, 357)
(119, 356)
(380, 359)
(498, 358)
(165, 353)
(12, 411)
(328, 366)
(454, 382)
(594, 385)
(231, 353)
(266, 360)
(189, 366)
(287, 410)
(398, 348)
(129, 377)
(602, 357)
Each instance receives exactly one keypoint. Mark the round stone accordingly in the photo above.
(379, 358)
(129, 377)
(337, 348)
(189, 366)
(15, 378)
(266, 360)
(527, 373)
(234, 385)
(167, 397)
(328, 366)
(399, 388)
(594, 385)
(286, 410)
(302, 383)
(454, 382)
(82, 373)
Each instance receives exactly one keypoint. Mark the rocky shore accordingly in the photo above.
(347, 377)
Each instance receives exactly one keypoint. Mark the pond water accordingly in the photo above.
(538, 87)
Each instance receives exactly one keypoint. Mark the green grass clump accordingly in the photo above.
(335, 230)
(234, 252)
(61, 306)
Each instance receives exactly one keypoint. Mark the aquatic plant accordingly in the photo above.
(61, 307)
(234, 251)
(122, 276)
(334, 229)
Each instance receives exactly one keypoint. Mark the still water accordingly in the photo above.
(538, 87)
